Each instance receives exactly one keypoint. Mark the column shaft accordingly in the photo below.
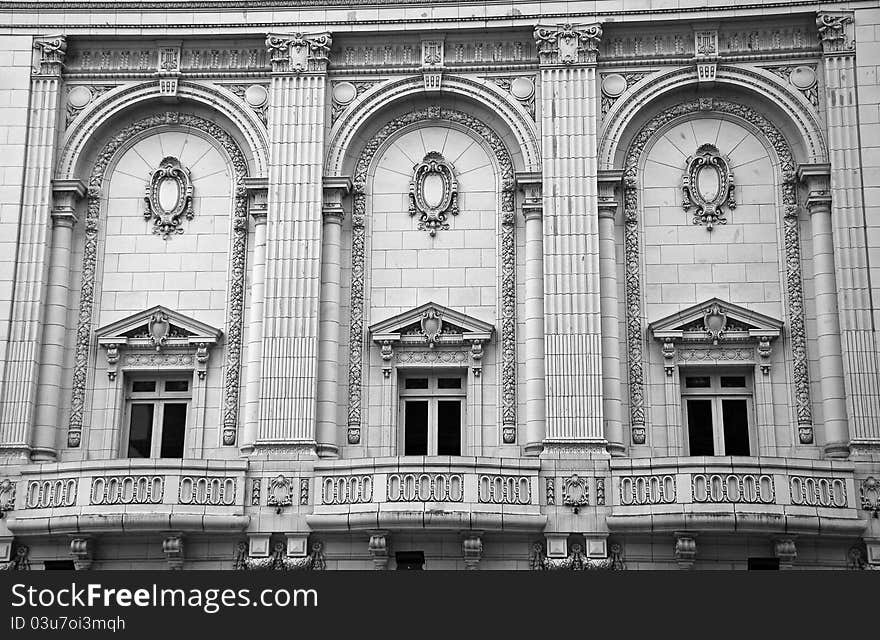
(608, 303)
(255, 335)
(534, 331)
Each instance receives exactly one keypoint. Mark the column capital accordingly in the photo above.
(299, 52)
(335, 189)
(817, 179)
(568, 44)
(531, 184)
(258, 190)
(65, 195)
(51, 50)
(835, 32)
(609, 181)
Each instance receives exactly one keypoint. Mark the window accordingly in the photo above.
(156, 414)
(717, 409)
(763, 564)
(432, 413)
(410, 560)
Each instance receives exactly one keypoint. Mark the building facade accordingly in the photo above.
(472, 285)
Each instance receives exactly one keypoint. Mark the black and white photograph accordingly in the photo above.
(299, 289)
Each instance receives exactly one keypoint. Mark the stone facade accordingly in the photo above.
(522, 285)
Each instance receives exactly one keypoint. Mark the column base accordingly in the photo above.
(533, 449)
(616, 449)
(327, 450)
(44, 455)
(837, 450)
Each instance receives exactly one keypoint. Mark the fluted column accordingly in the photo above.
(573, 359)
(258, 213)
(861, 353)
(328, 348)
(828, 344)
(288, 387)
(55, 322)
(18, 395)
(533, 213)
(608, 303)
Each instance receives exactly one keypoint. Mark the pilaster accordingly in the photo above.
(834, 413)
(335, 189)
(20, 377)
(65, 195)
(861, 353)
(567, 55)
(609, 183)
(258, 209)
(293, 251)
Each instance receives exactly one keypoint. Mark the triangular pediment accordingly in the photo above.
(431, 322)
(158, 324)
(715, 319)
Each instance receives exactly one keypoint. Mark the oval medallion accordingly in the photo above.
(432, 190)
(708, 182)
(169, 194)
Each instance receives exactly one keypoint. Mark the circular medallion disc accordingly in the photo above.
(613, 85)
(802, 77)
(522, 88)
(344, 92)
(256, 95)
(79, 97)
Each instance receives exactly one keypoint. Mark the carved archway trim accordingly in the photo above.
(632, 259)
(754, 80)
(124, 97)
(235, 305)
(356, 342)
(347, 128)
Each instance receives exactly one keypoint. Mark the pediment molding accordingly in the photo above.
(159, 329)
(718, 330)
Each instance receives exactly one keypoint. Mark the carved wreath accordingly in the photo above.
(708, 185)
(169, 196)
(433, 208)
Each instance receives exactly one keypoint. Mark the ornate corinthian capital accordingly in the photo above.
(52, 50)
(835, 32)
(568, 44)
(299, 52)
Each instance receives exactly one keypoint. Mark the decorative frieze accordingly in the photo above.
(132, 489)
(111, 60)
(207, 490)
(643, 490)
(818, 492)
(505, 489)
(425, 487)
(235, 313)
(410, 53)
(568, 44)
(739, 488)
(50, 494)
(347, 490)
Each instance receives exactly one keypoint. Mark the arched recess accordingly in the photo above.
(235, 306)
(632, 154)
(353, 124)
(796, 116)
(365, 160)
(244, 125)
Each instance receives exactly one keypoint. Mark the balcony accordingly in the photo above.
(130, 495)
(437, 493)
(732, 494)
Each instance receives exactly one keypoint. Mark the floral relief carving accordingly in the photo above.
(235, 311)
(793, 277)
(358, 258)
(708, 186)
(433, 193)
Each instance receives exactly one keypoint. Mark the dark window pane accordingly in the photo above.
(697, 382)
(410, 560)
(699, 417)
(143, 386)
(449, 383)
(140, 430)
(449, 427)
(58, 565)
(764, 563)
(415, 430)
(173, 429)
(733, 381)
(416, 383)
(177, 385)
(736, 427)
